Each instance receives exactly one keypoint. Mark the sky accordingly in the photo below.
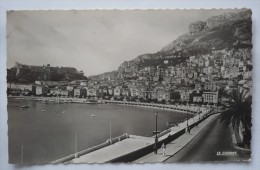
(95, 41)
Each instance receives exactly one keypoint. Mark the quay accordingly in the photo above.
(128, 147)
(132, 148)
(191, 109)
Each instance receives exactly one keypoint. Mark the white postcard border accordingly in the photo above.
(134, 4)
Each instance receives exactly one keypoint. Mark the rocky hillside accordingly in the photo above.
(229, 30)
(104, 75)
(216, 32)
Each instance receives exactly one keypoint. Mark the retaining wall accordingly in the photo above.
(150, 148)
(92, 149)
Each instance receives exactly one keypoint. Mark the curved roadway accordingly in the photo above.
(214, 143)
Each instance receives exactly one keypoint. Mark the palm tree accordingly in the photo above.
(239, 114)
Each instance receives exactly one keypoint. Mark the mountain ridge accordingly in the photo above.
(228, 30)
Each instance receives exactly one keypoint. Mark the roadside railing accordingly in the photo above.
(111, 141)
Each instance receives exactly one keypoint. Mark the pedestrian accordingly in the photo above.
(155, 148)
(163, 148)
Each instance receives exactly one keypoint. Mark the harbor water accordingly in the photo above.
(44, 132)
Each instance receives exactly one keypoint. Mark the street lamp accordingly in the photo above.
(156, 137)
(76, 145)
(110, 131)
(22, 154)
(217, 108)
(199, 113)
(187, 120)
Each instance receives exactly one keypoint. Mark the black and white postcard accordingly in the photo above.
(129, 86)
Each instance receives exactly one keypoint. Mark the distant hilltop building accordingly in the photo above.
(20, 66)
(30, 73)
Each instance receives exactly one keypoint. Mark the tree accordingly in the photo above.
(240, 114)
(221, 92)
(175, 95)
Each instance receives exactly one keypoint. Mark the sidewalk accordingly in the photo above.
(116, 150)
(138, 143)
(176, 145)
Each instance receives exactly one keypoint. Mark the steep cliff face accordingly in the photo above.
(217, 32)
(226, 18)
(196, 27)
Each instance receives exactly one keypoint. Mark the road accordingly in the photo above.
(214, 143)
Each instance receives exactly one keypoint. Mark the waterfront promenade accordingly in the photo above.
(191, 109)
(130, 147)
(116, 150)
(214, 143)
(134, 147)
(175, 146)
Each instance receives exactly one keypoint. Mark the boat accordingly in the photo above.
(25, 106)
(93, 115)
(91, 102)
(43, 110)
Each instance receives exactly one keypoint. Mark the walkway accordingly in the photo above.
(135, 143)
(214, 143)
(176, 145)
(116, 150)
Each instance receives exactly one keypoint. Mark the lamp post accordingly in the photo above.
(156, 137)
(187, 120)
(199, 113)
(22, 154)
(76, 145)
(217, 108)
(110, 131)
(187, 117)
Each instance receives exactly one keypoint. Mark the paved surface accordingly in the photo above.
(116, 150)
(129, 145)
(214, 143)
(176, 145)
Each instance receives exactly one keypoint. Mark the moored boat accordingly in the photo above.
(25, 106)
